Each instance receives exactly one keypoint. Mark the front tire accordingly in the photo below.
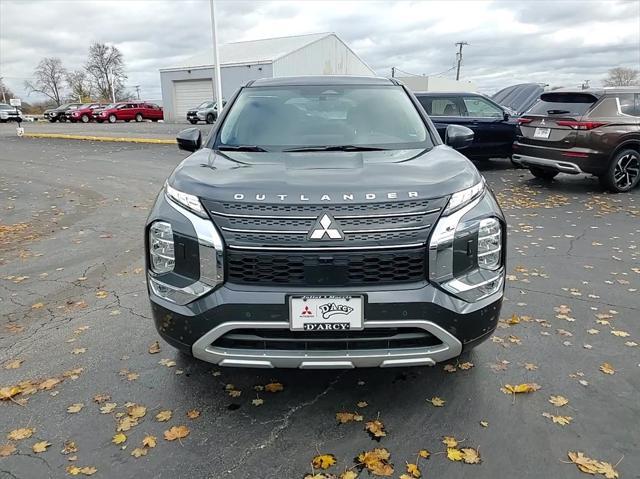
(85, 118)
(52, 120)
(193, 122)
(623, 173)
(112, 119)
(138, 117)
(543, 174)
(210, 118)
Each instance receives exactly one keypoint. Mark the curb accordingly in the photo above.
(120, 139)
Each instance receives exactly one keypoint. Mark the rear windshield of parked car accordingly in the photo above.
(279, 118)
(575, 104)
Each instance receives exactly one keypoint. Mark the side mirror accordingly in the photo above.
(458, 136)
(189, 139)
(506, 116)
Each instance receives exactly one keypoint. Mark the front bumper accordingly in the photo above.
(195, 328)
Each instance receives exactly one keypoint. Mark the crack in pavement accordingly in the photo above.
(285, 420)
(574, 298)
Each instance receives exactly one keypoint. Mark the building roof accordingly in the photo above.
(321, 80)
(265, 50)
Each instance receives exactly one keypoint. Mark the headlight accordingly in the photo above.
(161, 247)
(465, 249)
(489, 244)
(103, 114)
(464, 197)
(75, 113)
(190, 202)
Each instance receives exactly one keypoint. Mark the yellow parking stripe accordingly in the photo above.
(120, 139)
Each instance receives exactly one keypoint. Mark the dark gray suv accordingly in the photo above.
(593, 131)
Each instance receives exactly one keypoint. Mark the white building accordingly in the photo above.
(186, 86)
(430, 83)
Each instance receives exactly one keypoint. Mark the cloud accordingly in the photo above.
(557, 42)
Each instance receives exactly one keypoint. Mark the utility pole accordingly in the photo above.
(393, 72)
(217, 83)
(4, 97)
(585, 85)
(113, 90)
(137, 87)
(459, 58)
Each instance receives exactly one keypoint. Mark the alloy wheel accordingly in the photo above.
(626, 171)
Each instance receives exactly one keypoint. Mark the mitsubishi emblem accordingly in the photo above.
(326, 228)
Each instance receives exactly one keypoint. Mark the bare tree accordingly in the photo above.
(620, 76)
(49, 79)
(105, 67)
(79, 85)
(5, 93)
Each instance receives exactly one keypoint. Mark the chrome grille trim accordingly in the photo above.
(324, 248)
(338, 217)
(300, 232)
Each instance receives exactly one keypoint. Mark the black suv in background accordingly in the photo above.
(493, 128)
(593, 131)
(324, 224)
(60, 113)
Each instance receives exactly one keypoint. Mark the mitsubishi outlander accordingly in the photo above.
(324, 224)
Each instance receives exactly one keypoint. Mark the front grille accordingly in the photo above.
(377, 225)
(367, 339)
(322, 269)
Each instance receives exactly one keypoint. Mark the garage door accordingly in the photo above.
(188, 94)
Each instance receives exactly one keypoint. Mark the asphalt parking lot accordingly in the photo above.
(75, 322)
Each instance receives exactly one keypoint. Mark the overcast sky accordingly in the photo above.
(557, 42)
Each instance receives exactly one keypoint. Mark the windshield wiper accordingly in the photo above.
(557, 112)
(241, 148)
(335, 148)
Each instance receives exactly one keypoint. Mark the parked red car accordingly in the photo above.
(129, 110)
(83, 113)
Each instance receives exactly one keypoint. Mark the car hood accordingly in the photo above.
(324, 176)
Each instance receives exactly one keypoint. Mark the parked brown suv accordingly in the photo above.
(594, 131)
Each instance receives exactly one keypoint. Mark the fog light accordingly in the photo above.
(161, 247)
(489, 244)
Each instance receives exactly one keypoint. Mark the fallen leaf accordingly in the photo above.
(466, 366)
(13, 364)
(126, 423)
(21, 433)
(620, 334)
(100, 398)
(167, 362)
(69, 448)
(274, 387)
(558, 401)
(149, 441)
(484, 423)
(79, 351)
(9, 391)
(7, 449)
(86, 470)
(450, 368)
(193, 414)
(413, 470)
(37, 306)
(436, 401)
(345, 417)
(102, 294)
(50, 383)
(423, 453)
(164, 416)
(454, 454)
(108, 408)
(376, 461)
(520, 388)
(562, 420)
(607, 368)
(530, 366)
(470, 455)
(257, 402)
(138, 452)
(450, 441)
(592, 466)
(176, 432)
(348, 475)
(136, 411)
(75, 408)
(119, 438)
(40, 446)
(154, 348)
(375, 429)
(323, 461)
(362, 404)
(234, 393)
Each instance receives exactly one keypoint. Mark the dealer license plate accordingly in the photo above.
(542, 133)
(326, 313)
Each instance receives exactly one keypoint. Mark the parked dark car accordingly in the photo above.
(594, 131)
(60, 113)
(324, 224)
(493, 128)
(129, 110)
(83, 113)
(519, 98)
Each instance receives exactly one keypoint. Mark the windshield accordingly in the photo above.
(204, 104)
(575, 104)
(285, 118)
